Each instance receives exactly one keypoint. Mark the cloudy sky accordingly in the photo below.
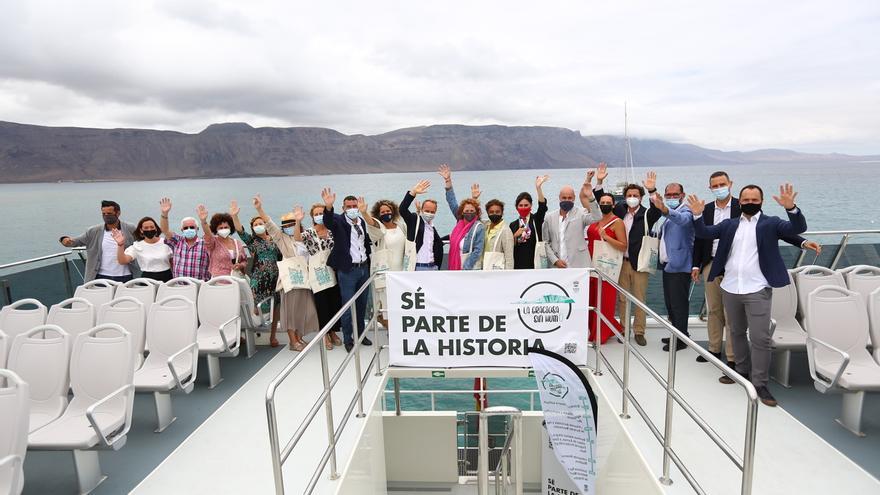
(732, 75)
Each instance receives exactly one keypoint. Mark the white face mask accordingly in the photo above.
(428, 217)
(224, 233)
(632, 201)
(259, 229)
(352, 213)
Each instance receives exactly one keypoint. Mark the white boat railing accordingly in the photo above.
(846, 235)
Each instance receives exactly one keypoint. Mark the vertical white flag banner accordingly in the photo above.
(569, 406)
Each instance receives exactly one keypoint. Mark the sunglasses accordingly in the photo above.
(190, 228)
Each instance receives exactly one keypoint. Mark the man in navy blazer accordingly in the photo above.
(350, 258)
(748, 256)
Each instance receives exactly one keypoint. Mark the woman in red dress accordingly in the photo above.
(610, 229)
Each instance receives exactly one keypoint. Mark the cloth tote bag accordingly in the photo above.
(410, 253)
(321, 276)
(293, 273)
(649, 254)
(606, 259)
(494, 260)
(478, 264)
(541, 259)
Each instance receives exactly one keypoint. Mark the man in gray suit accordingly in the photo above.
(563, 230)
(98, 240)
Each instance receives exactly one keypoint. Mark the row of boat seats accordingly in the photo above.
(14, 416)
(862, 279)
(838, 334)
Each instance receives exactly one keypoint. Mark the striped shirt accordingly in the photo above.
(189, 261)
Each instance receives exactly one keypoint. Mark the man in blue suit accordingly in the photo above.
(676, 255)
(748, 257)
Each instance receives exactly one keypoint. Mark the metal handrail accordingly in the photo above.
(432, 393)
(279, 455)
(483, 464)
(841, 247)
(744, 464)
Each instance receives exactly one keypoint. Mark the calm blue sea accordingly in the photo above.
(36, 215)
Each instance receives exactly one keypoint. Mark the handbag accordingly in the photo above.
(293, 273)
(541, 260)
(494, 259)
(380, 262)
(410, 253)
(649, 254)
(606, 258)
(321, 276)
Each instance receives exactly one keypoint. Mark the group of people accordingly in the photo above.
(728, 243)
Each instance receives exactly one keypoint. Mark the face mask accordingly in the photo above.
(566, 205)
(672, 203)
(523, 211)
(110, 219)
(190, 233)
(259, 229)
(351, 213)
(287, 230)
(468, 217)
(224, 233)
(428, 217)
(149, 234)
(495, 218)
(633, 201)
(319, 219)
(606, 209)
(721, 192)
(386, 217)
(750, 209)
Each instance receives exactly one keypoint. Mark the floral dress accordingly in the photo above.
(264, 275)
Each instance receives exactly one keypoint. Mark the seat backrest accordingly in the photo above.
(838, 317)
(102, 361)
(129, 313)
(863, 279)
(142, 289)
(97, 292)
(16, 319)
(246, 295)
(75, 315)
(180, 286)
(171, 326)
(219, 301)
(808, 279)
(41, 357)
(874, 322)
(14, 418)
(784, 304)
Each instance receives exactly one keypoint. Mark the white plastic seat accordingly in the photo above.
(174, 354)
(253, 319)
(788, 335)
(863, 279)
(13, 432)
(15, 320)
(180, 286)
(142, 289)
(99, 415)
(219, 310)
(3, 346)
(41, 357)
(97, 292)
(129, 313)
(75, 315)
(874, 322)
(807, 279)
(836, 350)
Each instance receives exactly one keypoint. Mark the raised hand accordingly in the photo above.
(258, 202)
(589, 178)
(233, 208)
(298, 213)
(659, 204)
(445, 172)
(475, 191)
(602, 172)
(202, 213)
(328, 196)
(540, 180)
(786, 196)
(165, 206)
(420, 188)
(695, 204)
(650, 181)
(362, 204)
(118, 236)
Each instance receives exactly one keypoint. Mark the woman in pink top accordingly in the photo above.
(226, 254)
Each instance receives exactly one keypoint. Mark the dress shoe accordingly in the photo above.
(730, 381)
(701, 359)
(731, 365)
(640, 339)
(348, 347)
(765, 396)
(366, 341)
(665, 340)
(679, 345)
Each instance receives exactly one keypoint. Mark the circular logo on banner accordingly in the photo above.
(554, 385)
(544, 306)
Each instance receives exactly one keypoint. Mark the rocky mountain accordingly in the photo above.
(31, 153)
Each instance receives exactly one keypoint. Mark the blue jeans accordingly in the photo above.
(426, 268)
(349, 283)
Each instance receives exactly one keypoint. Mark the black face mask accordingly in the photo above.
(110, 219)
(149, 234)
(606, 209)
(750, 209)
(386, 217)
(495, 218)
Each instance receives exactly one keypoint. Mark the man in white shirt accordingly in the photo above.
(563, 229)
(748, 255)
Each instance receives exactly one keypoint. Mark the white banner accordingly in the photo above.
(570, 423)
(476, 318)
